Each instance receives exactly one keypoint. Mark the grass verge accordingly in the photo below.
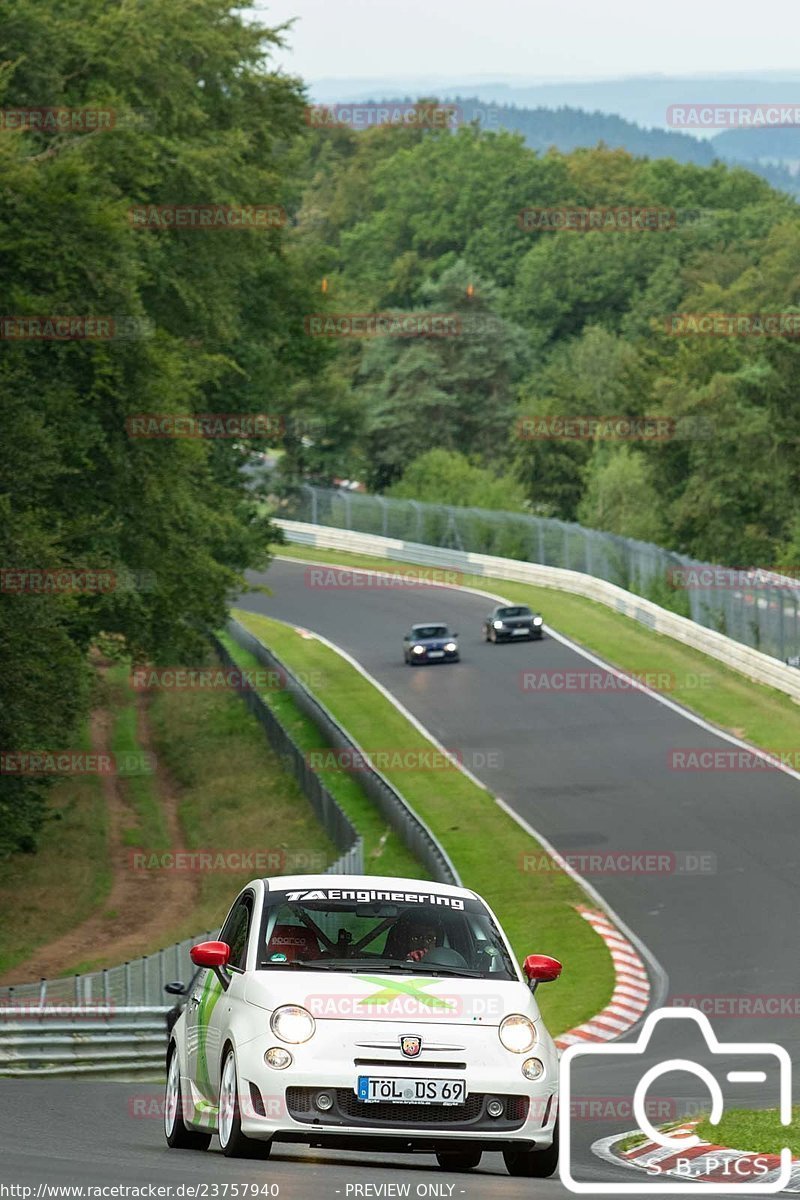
(485, 844)
(759, 714)
(236, 797)
(758, 1131)
(43, 895)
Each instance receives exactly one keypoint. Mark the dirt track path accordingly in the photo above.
(142, 906)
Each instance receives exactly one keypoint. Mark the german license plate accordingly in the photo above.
(436, 654)
(373, 1090)
(518, 632)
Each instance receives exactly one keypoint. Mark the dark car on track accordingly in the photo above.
(511, 623)
(430, 643)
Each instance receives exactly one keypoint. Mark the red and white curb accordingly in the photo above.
(703, 1163)
(631, 995)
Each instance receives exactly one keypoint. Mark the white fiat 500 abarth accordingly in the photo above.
(365, 1013)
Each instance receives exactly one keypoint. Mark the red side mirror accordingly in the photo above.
(210, 954)
(541, 968)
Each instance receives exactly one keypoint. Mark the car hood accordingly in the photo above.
(331, 995)
(438, 643)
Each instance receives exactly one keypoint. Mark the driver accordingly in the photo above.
(412, 938)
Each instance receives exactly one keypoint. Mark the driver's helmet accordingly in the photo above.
(413, 931)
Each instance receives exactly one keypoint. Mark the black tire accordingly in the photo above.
(458, 1160)
(177, 1135)
(238, 1145)
(493, 636)
(538, 1164)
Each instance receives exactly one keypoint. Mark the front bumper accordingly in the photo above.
(283, 1104)
(532, 633)
(446, 656)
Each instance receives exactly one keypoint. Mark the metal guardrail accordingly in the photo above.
(757, 608)
(88, 1040)
(130, 985)
(329, 812)
(411, 829)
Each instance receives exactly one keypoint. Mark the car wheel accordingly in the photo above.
(539, 1164)
(486, 633)
(493, 636)
(458, 1160)
(233, 1143)
(178, 1136)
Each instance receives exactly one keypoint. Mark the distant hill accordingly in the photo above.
(643, 99)
(569, 128)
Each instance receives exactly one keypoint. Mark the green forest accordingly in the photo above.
(396, 219)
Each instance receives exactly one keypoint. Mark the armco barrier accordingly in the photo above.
(411, 829)
(68, 1040)
(330, 814)
(752, 663)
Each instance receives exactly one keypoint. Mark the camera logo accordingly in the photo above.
(748, 1187)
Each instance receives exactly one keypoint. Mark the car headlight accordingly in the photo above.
(537, 620)
(517, 1033)
(451, 647)
(291, 1023)
(497, 624)
(419, 649)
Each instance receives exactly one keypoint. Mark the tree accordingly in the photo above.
(447, 477)
(202, 322)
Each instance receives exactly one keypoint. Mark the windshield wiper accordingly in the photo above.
(298, 962)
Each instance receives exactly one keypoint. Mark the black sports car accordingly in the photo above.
(430, 643)
(511, 623)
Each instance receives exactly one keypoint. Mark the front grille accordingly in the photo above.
(349, 1110)
(416, 1114)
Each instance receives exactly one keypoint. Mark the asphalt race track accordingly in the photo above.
(590, 771)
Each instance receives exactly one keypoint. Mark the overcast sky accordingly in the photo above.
(532, 39)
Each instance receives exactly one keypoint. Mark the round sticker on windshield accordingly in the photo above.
(277, 958)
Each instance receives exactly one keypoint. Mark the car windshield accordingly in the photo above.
(429, 631)
(518, 610)
(394, 931)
